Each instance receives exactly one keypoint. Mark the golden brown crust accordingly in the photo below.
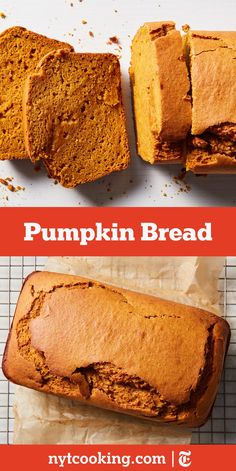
(117, 349)
(162, 105)
(213, 72)
(213, 78)
(20, 51)
(74, 117)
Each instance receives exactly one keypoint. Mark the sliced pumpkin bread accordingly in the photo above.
(74, 116)
(20, 52)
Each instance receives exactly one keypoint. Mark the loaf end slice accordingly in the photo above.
(20, 52)
(160, 86)
(212, 146)
(116, 349)
(74, 117)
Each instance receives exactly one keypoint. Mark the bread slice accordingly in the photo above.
(20, 51)
(212, 148)
(162, 105)
(74, 117)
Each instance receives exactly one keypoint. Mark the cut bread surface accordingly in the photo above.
(74, 117)
(20, 52)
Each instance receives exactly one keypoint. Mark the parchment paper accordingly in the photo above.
(44, 418)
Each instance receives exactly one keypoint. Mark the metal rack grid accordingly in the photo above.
(220, 428)
(13, 271)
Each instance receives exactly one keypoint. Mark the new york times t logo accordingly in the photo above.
(185, 459)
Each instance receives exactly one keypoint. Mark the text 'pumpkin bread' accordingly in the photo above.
(212, 57)
(160, 83)
(74, 116)
(20, 52)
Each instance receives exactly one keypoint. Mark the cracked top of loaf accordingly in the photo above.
(115, 348)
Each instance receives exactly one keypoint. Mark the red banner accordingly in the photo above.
(118, 231)
(134, 457)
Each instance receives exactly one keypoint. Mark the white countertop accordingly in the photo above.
(142, 184)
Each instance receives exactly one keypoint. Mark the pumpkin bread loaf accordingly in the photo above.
(20, 52)
(74, 117)
(116, 349)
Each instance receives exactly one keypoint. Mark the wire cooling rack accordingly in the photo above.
(221, 428)
(13, 271)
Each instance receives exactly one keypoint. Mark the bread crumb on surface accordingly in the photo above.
(72, 3)
(2, 15)
(84, 22)
(180, 176)
(91, 34)
(9, 186)
(182, 185)
(185, 28)
(179, 180)
(113, 40)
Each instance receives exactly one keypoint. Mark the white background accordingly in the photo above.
(141, 184)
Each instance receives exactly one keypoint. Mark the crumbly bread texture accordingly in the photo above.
(74, 117)
(212, 147)
(20, 52)
(116, 349)
(162, 105)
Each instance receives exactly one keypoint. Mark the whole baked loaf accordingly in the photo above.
(20, 52)
(116, 349)
(212, 147)
(161, 87)
(74, 116)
